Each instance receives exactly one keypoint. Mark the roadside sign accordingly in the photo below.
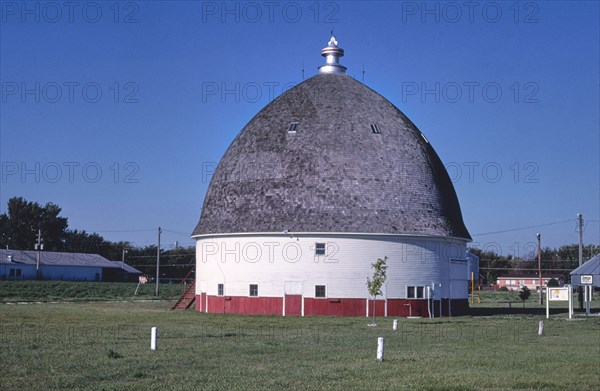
(558, 294)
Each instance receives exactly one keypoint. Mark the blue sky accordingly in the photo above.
(118, 111)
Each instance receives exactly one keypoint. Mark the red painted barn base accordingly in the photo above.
(292, 306)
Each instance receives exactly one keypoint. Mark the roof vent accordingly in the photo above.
(332, 54)
(292, 127)
(375, 129)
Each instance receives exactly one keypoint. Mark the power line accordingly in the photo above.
(521, 270)
(186, 234)
(124, 230)
(177, 255)
(524, 228)
(153, 265)
(487, 260)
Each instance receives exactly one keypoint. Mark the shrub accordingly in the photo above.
(524, 294)
(113, 354)
(503, 289)
(553, 282)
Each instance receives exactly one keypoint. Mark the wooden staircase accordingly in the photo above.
(189, 294)
(188, 297)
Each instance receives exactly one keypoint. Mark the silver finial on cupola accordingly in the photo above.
(332, 54)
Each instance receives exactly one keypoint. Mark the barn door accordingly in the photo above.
(293, 298)
(459, 281)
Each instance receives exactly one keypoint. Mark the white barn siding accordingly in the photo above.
(272, 260)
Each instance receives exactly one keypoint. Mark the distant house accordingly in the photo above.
(514, 282)
(63, 266)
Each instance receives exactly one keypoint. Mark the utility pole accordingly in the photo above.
(123, 258)
(539, 239)
(580, 221)
(579, 288)
(39, 246)
(158, 262)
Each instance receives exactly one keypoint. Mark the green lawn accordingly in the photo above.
(106, 346)
(15, 291)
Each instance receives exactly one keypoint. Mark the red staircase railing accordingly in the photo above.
(188, 296)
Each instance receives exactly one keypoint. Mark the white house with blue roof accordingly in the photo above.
(62, 266)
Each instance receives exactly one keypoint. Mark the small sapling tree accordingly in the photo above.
(524, 294)
(374, 284)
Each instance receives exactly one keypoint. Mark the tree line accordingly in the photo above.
(20, 224)
(558, 261)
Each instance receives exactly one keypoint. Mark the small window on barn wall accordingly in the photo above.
(319, 248)
(420, 292)
(320, 291)
(220, 290)
(253, 289)
(292, 127)
(375, 129)
(414, 292)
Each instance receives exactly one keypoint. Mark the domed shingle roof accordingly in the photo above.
(335, 173)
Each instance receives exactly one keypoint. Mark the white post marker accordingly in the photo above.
(588, 298)
(541, 328)
(548, 307)
(153, 337)
(380, 349)
(570, 301)
(395, 325)
(428, 291)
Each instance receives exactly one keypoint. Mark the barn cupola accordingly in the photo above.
(332, 54)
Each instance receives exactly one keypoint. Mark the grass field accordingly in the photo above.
(105, 345)
(47, 291)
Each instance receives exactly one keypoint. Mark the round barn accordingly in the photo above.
(323, 181)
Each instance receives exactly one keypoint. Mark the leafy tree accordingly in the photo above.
(379, 276)
(20, 224)
(570, 253)
(524, 294)
(553, 282)
(82, 242)
(492, 264)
